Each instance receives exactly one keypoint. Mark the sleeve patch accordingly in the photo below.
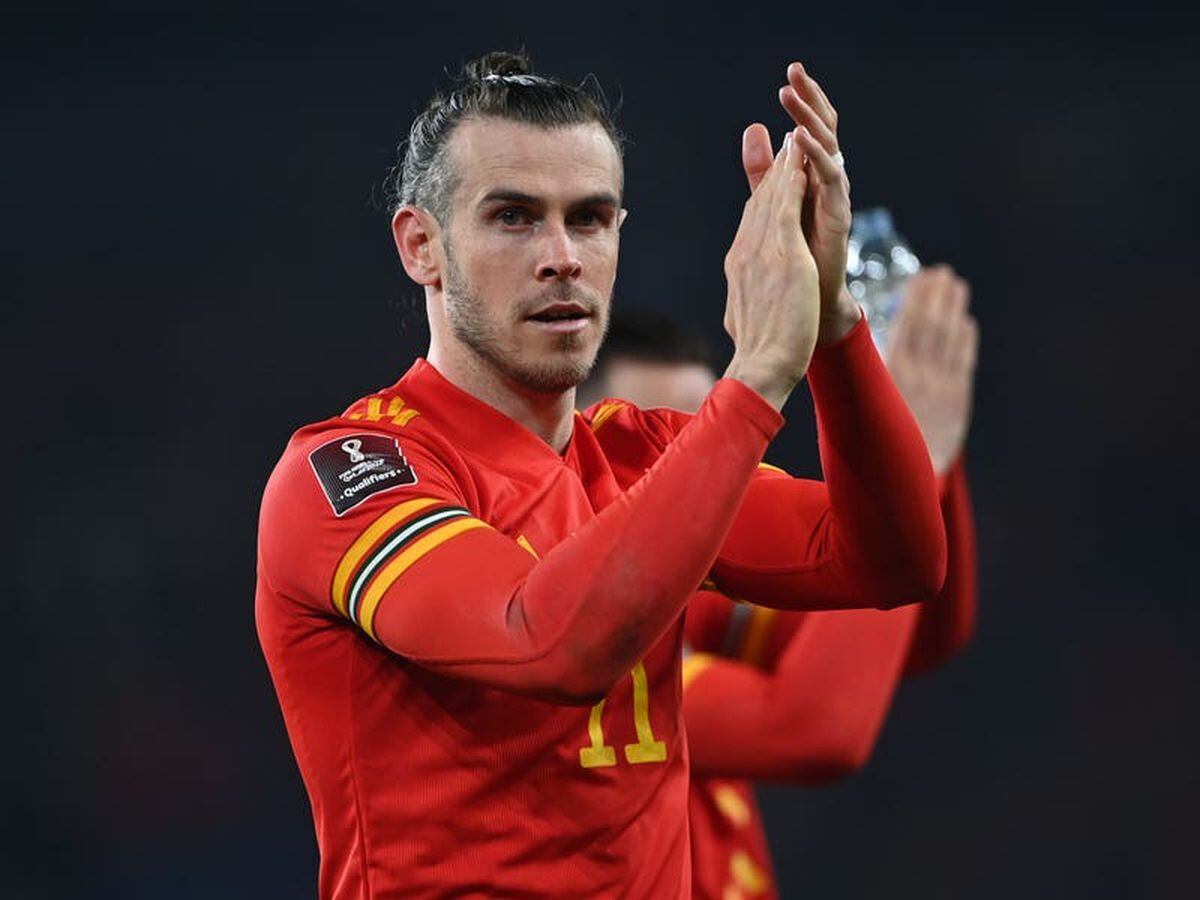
(350, 469)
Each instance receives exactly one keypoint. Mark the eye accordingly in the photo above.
(589, 218)
(512, 215)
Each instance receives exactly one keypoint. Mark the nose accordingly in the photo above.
(558, 259)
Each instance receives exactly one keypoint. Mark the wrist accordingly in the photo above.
(765, 380)
(941, 463)
(943, 459)
(838, 321)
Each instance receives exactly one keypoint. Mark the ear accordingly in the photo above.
(414, 231)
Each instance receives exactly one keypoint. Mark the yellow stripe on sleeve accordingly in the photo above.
(606, 412)
(363, 543)
(747, 874)
(731, 805)
(694, 664)
(398, 566)
(771, 468)
(755, 643)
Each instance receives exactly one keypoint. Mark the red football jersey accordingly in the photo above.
(806, 695)
(437, 586)
(731, 859)
(424, 784)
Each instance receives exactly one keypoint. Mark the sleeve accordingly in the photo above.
(947, 622)
(330, 537)
(816, 717)
(753, 634)
(419, 573)
(872, 533)
(760, 635)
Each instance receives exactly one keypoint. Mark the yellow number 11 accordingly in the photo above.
(598, 753)
(646, 750)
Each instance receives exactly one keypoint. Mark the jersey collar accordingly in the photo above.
(471, 424)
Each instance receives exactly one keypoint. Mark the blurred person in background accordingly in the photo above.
(801, 697)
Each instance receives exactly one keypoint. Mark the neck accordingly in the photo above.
(550, 416)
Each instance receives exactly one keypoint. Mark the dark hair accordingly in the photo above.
(498, 85)
(645, 337)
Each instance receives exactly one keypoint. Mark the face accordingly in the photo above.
(681, 386)
(531, 248)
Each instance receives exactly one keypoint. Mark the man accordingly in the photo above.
(471, 614)
(801, 697)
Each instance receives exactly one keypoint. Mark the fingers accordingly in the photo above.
(764, 194)
(902, 333)
(803, 114)
(966, 350)
(756, 154)
(793, 181)
(931, 323)
(912, 321)
(949, 315)
(757, 215)
(808, 89)
(781, 196)
(927, 338)
(829, 171)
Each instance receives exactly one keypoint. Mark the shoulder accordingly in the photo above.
(345, 484)
(616, 421)
(380, 443)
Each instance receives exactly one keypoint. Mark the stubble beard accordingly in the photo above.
(566, 368)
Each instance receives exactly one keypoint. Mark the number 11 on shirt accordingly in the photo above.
(646, 750)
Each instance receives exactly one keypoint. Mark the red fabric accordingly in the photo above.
(871, 534)
(727, 825)
(816, 717)
(442, 757)
(947, 622)
(414, 752)
(800, 697)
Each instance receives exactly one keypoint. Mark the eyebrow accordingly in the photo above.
(509, 195)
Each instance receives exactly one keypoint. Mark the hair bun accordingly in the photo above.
(497, 63)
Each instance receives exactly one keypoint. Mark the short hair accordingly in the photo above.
(497, 85)
(643, 336)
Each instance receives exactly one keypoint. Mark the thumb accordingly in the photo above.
(756, 154)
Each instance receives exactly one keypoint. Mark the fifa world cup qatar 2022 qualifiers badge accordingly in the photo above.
(351, 469)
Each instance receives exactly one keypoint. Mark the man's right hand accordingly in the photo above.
(931, 355)
(772, 310)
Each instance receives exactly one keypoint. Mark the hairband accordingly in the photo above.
(527, 80)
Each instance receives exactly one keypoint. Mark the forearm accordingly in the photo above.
(566, 627)
(882, 489)
(879, 539)
(948, 621)
(816, 717)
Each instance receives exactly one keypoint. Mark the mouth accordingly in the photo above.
(561, 317)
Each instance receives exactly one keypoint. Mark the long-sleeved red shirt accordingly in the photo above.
(800, 697)
(476, 642)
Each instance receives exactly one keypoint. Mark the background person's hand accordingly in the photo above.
(931, 354)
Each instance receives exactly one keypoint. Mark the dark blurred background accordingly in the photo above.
(193, 267)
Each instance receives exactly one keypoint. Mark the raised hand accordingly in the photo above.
(826, 215)
(932, 347)
(772, 310)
